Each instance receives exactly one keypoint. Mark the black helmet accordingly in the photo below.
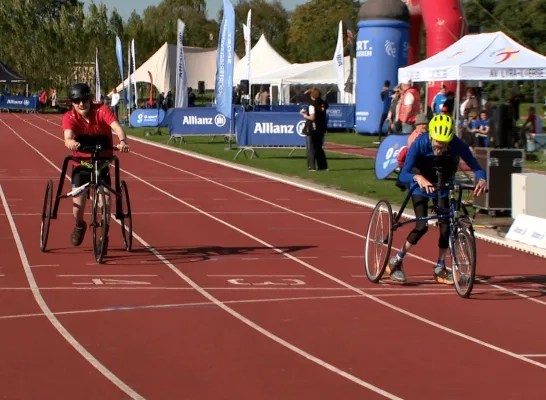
(79, 91)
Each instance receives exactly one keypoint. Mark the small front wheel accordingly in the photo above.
(379, 241)
(99, 223)
(126, 221)
(47, 209)
(463, 261)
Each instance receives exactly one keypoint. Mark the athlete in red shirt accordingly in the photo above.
(85, 125)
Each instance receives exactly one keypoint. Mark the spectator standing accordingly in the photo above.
(114, 103)
(316, 117)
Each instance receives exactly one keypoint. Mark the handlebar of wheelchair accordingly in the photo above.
(449, 186)
(95, 149)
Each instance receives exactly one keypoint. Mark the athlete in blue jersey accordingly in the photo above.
(439, 149)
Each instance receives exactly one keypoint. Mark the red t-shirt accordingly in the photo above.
(100, 118)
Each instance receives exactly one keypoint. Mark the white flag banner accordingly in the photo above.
(134, 71)
(97, 76)
(338, 61)
(247, 29)
(181, 95)
(129, 89)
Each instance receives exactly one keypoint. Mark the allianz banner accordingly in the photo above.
(198, 121)
(147, 117)
(18, 102)
(270, 129)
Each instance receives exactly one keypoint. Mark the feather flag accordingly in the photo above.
(223, 88)
(181, 95)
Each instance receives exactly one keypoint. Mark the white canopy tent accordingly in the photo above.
(313, 73)
(483, 57)
(200, 66)
(263, 59)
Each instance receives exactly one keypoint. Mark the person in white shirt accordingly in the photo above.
(114, 103)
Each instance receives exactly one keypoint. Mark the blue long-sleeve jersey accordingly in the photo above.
(418, 152)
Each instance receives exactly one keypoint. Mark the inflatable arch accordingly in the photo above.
(389, 37)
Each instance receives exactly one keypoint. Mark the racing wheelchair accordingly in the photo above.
(98, 190)
(462, 243)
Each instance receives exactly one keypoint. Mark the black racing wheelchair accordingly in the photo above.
(462, 243)
(98, 191)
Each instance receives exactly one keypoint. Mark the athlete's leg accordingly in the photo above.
(420, 208)
(80, 176)
(441, 274)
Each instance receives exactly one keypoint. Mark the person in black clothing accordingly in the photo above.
(316, 118)
(386, 99)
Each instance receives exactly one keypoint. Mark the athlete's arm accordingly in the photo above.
(68, 133)
(69, 141)
(460, 148)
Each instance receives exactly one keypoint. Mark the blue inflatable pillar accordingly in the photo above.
(382, 47)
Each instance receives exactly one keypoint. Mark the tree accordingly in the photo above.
(314, 27)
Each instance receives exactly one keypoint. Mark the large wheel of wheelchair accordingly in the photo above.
(378, 241)
(463, 261)
(99, 223)
(126, 220)
(47, 209)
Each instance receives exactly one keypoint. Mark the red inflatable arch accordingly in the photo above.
(444, 24)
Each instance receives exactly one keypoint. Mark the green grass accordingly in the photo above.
(353, 174)
(349, 173)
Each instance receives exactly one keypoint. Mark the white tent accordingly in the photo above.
(313, 73)
(263, 59)
(200, 66)
(483, 57)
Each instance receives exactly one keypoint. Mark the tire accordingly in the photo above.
(463, 240)
(99, 223)
(126, 219)
(47, 209)
(376, 265)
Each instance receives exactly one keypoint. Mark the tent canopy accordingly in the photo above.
(7, 75)
(483, 57)
(200, 66)
(312, 73)
(263, 59)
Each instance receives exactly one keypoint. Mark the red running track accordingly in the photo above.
(242, 287)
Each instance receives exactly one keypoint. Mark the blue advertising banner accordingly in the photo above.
(269, 129)
(381, 48)
(341, 116)
(386, 159)
(223, 87)
(198, 121)
(18, 102)
(147, 117)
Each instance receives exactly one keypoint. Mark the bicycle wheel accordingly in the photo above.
(99, 222)
(47, 209)
(126, 219)
(378, 241)
(463, 262)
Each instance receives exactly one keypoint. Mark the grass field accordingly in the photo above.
(353, 174)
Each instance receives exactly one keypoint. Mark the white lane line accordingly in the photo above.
(257, 276)
(103, 276)
(52, 318)
(252, 301)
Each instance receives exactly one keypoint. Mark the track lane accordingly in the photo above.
(143, 370)
(245, 228)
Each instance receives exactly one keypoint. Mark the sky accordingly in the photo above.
(126, 7)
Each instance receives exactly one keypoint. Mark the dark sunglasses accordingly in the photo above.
(80, 100)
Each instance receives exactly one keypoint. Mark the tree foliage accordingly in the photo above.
(52, 42)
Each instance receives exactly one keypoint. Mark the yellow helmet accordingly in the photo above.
(441, 128)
